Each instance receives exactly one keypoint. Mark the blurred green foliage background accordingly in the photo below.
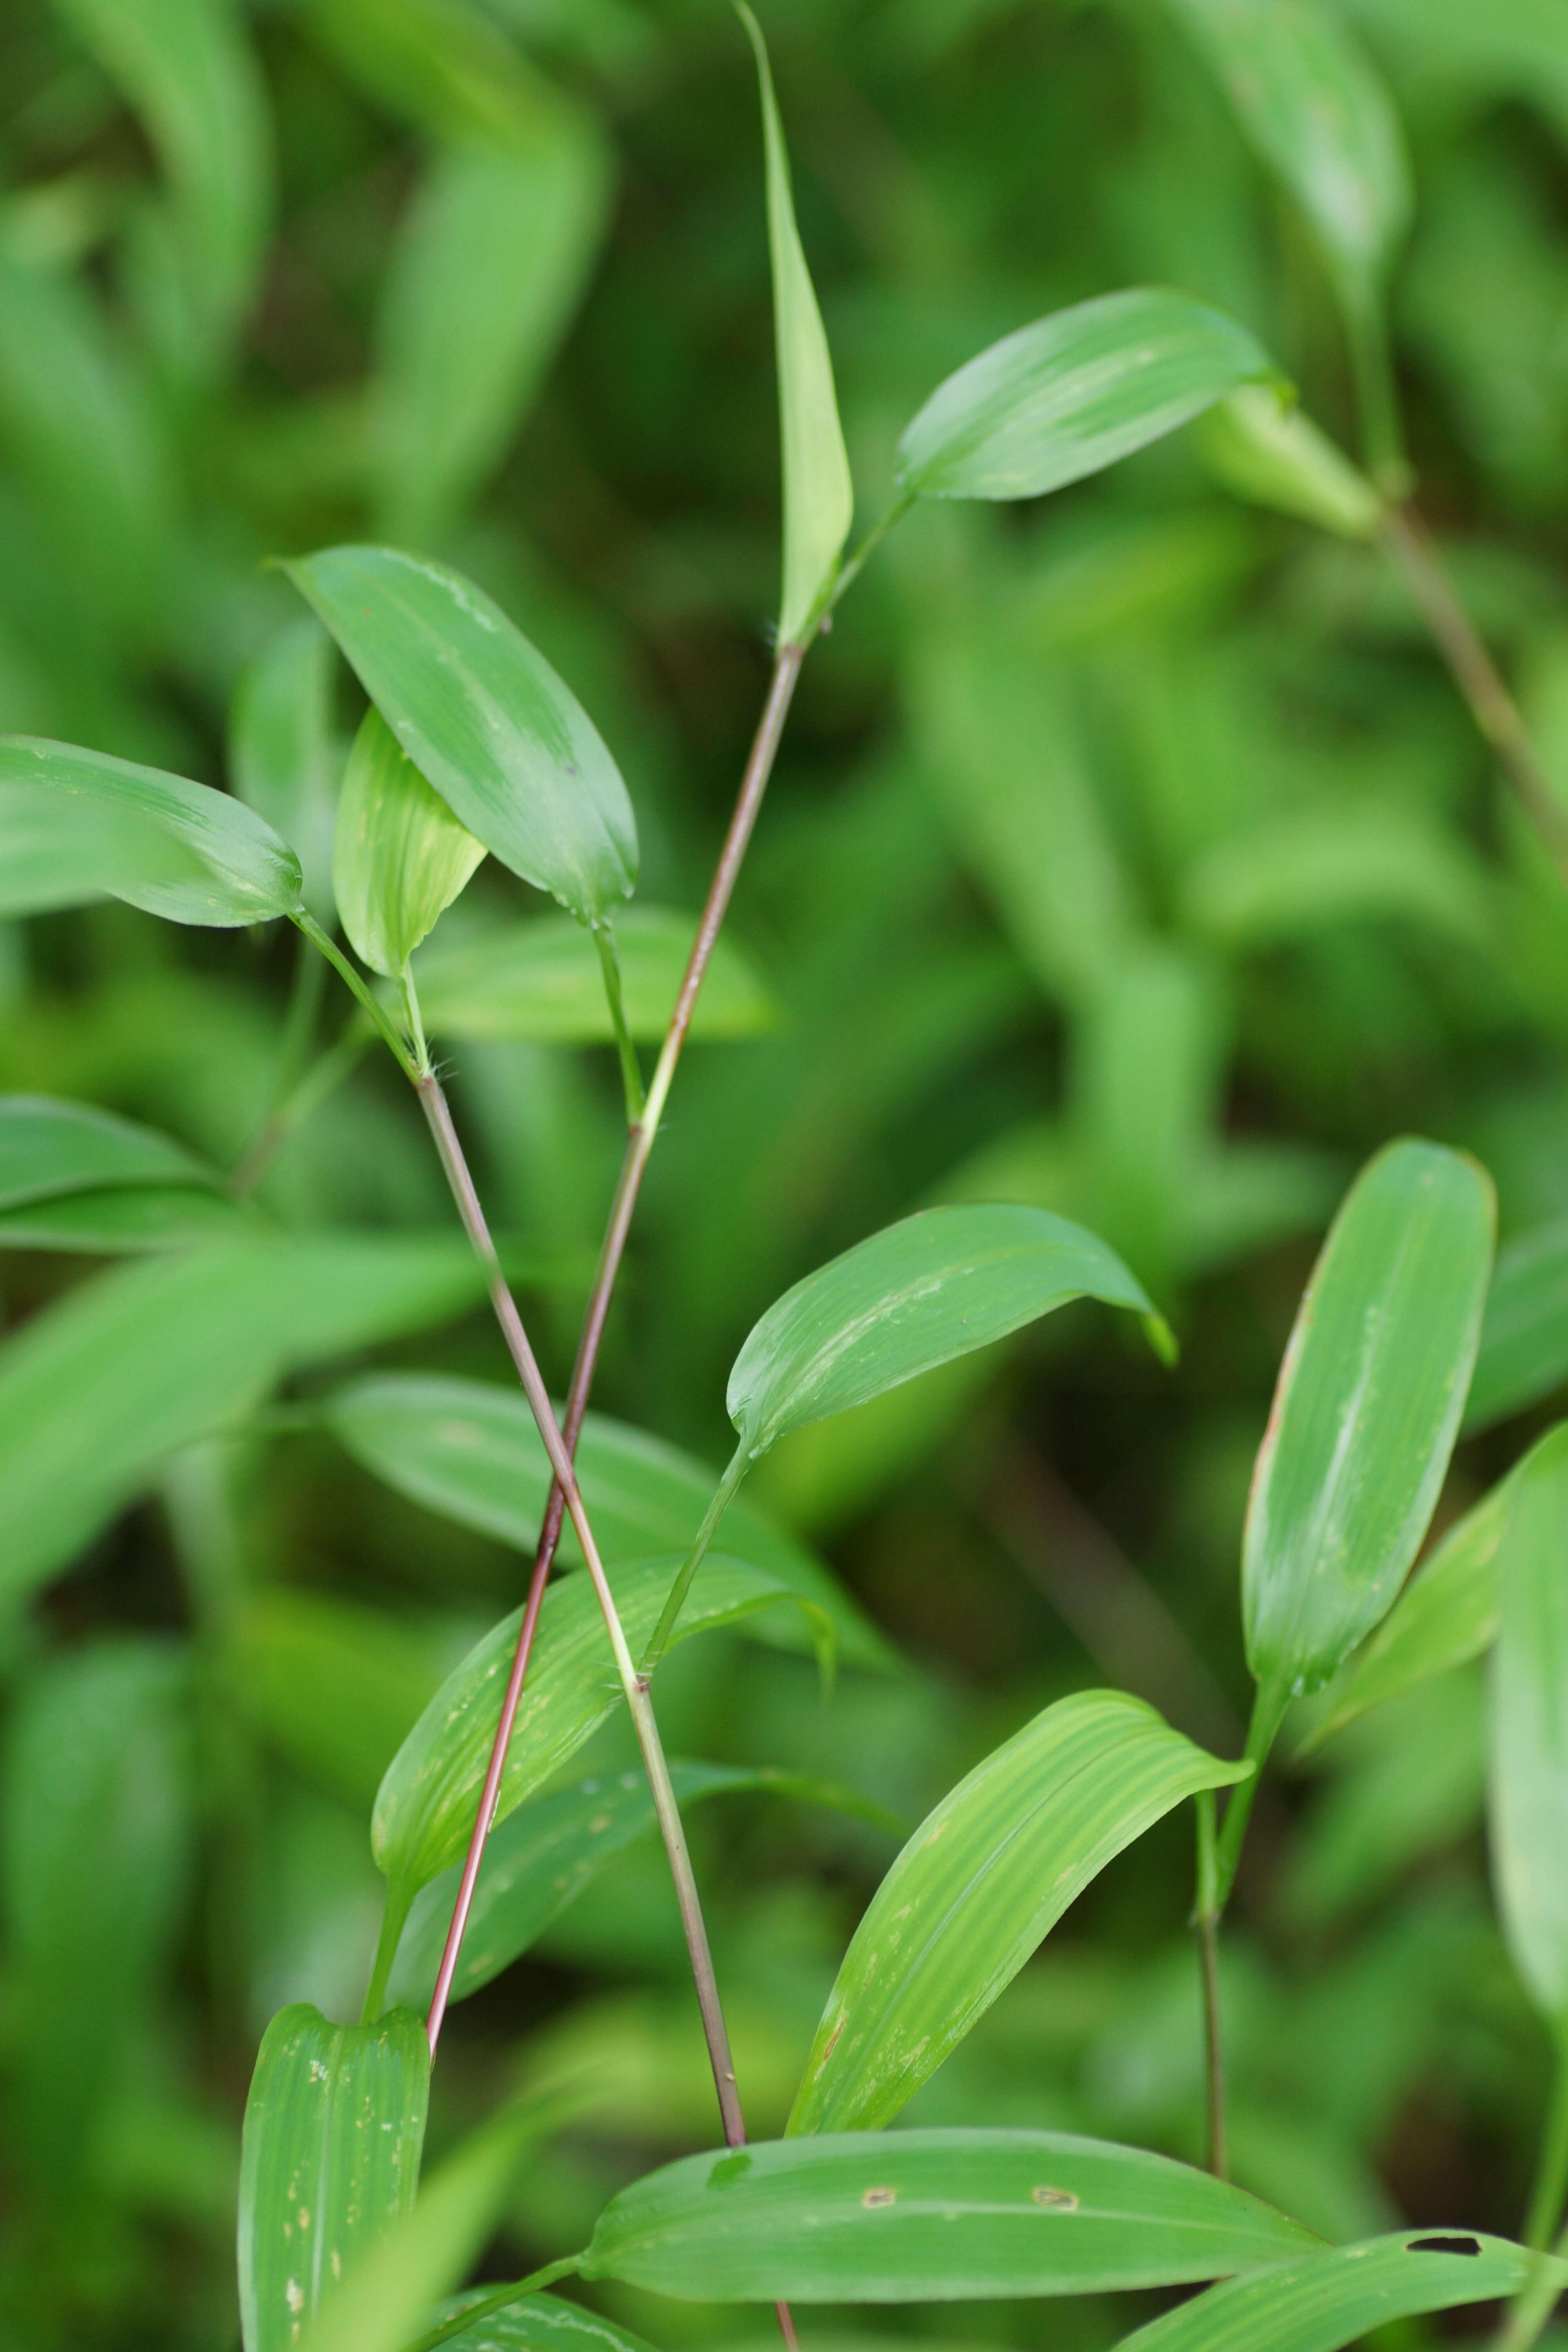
(1130, 854)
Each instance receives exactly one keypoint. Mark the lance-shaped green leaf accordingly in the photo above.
(399, 856)
(424, 1811)
(329, 2159)
(1364, 1414)
(484, 718)
(929, 2217)
(979, 1885)
(471, 1451)
(542, 981)
(1528, 1777)
(538, 1863)
(77, 825)
(1334, 2298)
(283, 755)
(818, 496)
(1524, 1333)
(50, 1148)
(1265, 451)
(142, 1218)
(1073, 393)
(533, 2323)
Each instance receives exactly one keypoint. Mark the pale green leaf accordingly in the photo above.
(1524, 1334)
(399, 856)
(1528, 1793)
(1275, 455)
(484, 718)
(978, 1887)
(929, 2217)
(542, 981)
(1073, 393)
(819, 495)
(283, 757)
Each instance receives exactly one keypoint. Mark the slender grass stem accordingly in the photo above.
(395, 1912)
(1206, 1919)
(1267, 1714)
(631, 1070)
(664, 1632)
(1551, 2185)
(1533, 2308)
(501, 2301)
(369, 1002)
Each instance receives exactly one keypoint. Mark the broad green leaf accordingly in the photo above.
(1279, 457)
(490, 260)
(330, 2160)
(96, 1815)
(935, 1286)
(929, 2217)
(142, 1217)
(484, 718)
(536, 2323)
(538, 1863)
(76, 825)
(819, 495)
(96, 1390)
(283, 757)
(1524, 1333)
(333, 1686)
(541, 981)
(1527, 1779)
(399, 856)
(471, 1451)
(1337, 2297)
(425, 1811)
(1366, 1412)
(1318, 114)
(978, 1887)
(1070, 394)
(49, 1148)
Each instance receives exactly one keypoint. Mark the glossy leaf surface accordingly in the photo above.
(470, 1450)
(818, 496)
(484, 717)
(1337, 2297)
(1365, 1411)
(283, 755)
(1073, 393)
(542, 981)
(935, 1286)
(1524, 1333)
(979, 1885)
(1527, 1794)
(424, 1811)
(333, 2129)
(929, 2217)
(399, 856)
(76, 825)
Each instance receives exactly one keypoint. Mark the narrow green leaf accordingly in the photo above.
(282, 753)
(330, 2160)
(536, 2323)
(1070, 394)
(399, 856)
(929, 2217)
(471, 1451)
(98, 1390)
(1279, 457)
(541, 981)
(424, 1811)
(1366, 1412)
(819, 495)
(1336, 2297)
(978, 1887)
(1524, 1333)
(484, 718)
(1528, 1777)
(935, 1286)
(49, 1148)
(141, 1218)
(76, 825)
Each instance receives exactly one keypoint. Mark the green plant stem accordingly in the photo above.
(1533, 2308)
(1377, 395)
(664, 1632)
(414, 1021)
(631, 1071)
(395, 1912)
(1551, 2186)
(1267, 1714)
(501, 2301)
(1206, 1919)
(855, 563)
(370, 1002)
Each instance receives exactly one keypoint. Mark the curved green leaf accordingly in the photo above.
(1336, 2297)
(471, 1451)
(1366, 1412)
(126, 1224)
(76, 825)
(819, 495)
(541, 980)
(977, 1888)
(329, 2159)
(929, 2217)
(49, 1148)
(399, 856)
(424, 1811)
(1524, 1333)
(538, 1863)
(535, 2323)
(1528, 1779)
(1070, 394)
(484, 718)
(1279, 457)
(935, 1286)
(283, 757)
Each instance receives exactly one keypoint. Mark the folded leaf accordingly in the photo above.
(1070, 394)
(929, 2217)
(1279, 456)
(979, 1885)
(330, 2160)
(399, 856)
(1527, 1779)
(1524, 1334)
(76, 825)
(541, 980)
(484, 718)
